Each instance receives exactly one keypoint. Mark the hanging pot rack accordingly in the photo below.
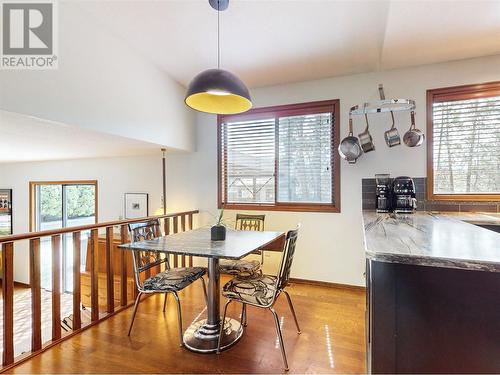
(351, 147)
(383, 105)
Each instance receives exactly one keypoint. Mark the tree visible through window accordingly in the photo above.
(280, 157)
(58, 205)
(305, 158)
(464, 141)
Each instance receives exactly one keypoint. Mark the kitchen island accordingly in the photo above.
(433, 292)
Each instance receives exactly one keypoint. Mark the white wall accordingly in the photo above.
(331, 245)
(101, 84)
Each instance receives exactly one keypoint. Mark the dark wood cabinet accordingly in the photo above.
(424, 319)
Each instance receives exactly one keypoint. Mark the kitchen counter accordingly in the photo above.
(433, 239)
(433, 281)
(478, 218)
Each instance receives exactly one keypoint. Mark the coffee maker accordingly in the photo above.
(404, 199)
(383, 200)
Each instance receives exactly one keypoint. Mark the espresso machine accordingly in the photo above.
(383, 200)
(403, 195)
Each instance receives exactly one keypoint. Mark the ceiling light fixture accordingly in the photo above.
(217, 90)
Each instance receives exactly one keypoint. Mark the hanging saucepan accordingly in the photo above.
(349, 148)
(365, 138)
(413, 137)
(391, 136)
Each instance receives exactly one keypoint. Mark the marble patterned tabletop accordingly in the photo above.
(432, 239)
(197, 243)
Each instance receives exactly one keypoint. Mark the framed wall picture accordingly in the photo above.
(5, 212)
(136, 205)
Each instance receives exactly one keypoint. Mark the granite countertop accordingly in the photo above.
(433, 239)
(479, 218)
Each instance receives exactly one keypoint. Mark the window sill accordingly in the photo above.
(463, 197)
(282, 207)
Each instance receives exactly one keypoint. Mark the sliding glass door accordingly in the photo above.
(61, 205)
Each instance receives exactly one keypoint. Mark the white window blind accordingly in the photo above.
(248, 160)
(304, 161)
(466, 146)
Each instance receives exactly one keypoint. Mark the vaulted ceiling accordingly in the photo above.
(278, 41)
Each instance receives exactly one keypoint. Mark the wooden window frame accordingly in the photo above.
(32, 201)
(454, 93)
(297, 109)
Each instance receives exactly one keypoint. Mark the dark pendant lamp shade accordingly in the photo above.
(218, 91)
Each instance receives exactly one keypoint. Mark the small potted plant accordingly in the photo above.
(218, 231)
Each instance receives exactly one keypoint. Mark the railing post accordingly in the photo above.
(190, 227)
(36, 299)
(157, 233)
(176, 224)
(94, 276)
(176, 229)
(183, 228)
(110, 275)
(123, 267)
(56, 287)
(183, 223)
(8, 302)
(77, 294)
(166, 224)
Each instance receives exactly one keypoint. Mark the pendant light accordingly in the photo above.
(217, 90)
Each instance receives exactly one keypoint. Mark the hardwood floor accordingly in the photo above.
(332, 340)
(22, 314)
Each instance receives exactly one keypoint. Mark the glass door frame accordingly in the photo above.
(32, 202)
(33, 222)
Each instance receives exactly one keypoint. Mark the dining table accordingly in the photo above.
(202, 335)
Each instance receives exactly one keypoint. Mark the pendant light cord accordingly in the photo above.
(218, 34)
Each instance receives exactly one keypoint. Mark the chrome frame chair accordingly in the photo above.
(242, 267)
(171, 280)
(265, 291)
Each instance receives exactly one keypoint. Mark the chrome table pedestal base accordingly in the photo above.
(202, 337)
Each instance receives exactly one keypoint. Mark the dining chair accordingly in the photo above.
(263, 291)
(171, 280)
(245, 267)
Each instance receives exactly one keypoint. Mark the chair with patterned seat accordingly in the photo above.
(263, 291)
(245, 267)
(171, 280)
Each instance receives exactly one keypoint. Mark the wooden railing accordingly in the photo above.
(170, 225)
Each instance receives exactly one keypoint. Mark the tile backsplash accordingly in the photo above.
(368, 191)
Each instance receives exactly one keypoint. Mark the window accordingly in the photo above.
(56, 205)
(280, 158)
(463, 142)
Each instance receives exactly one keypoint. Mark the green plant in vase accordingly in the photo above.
(218, 231)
